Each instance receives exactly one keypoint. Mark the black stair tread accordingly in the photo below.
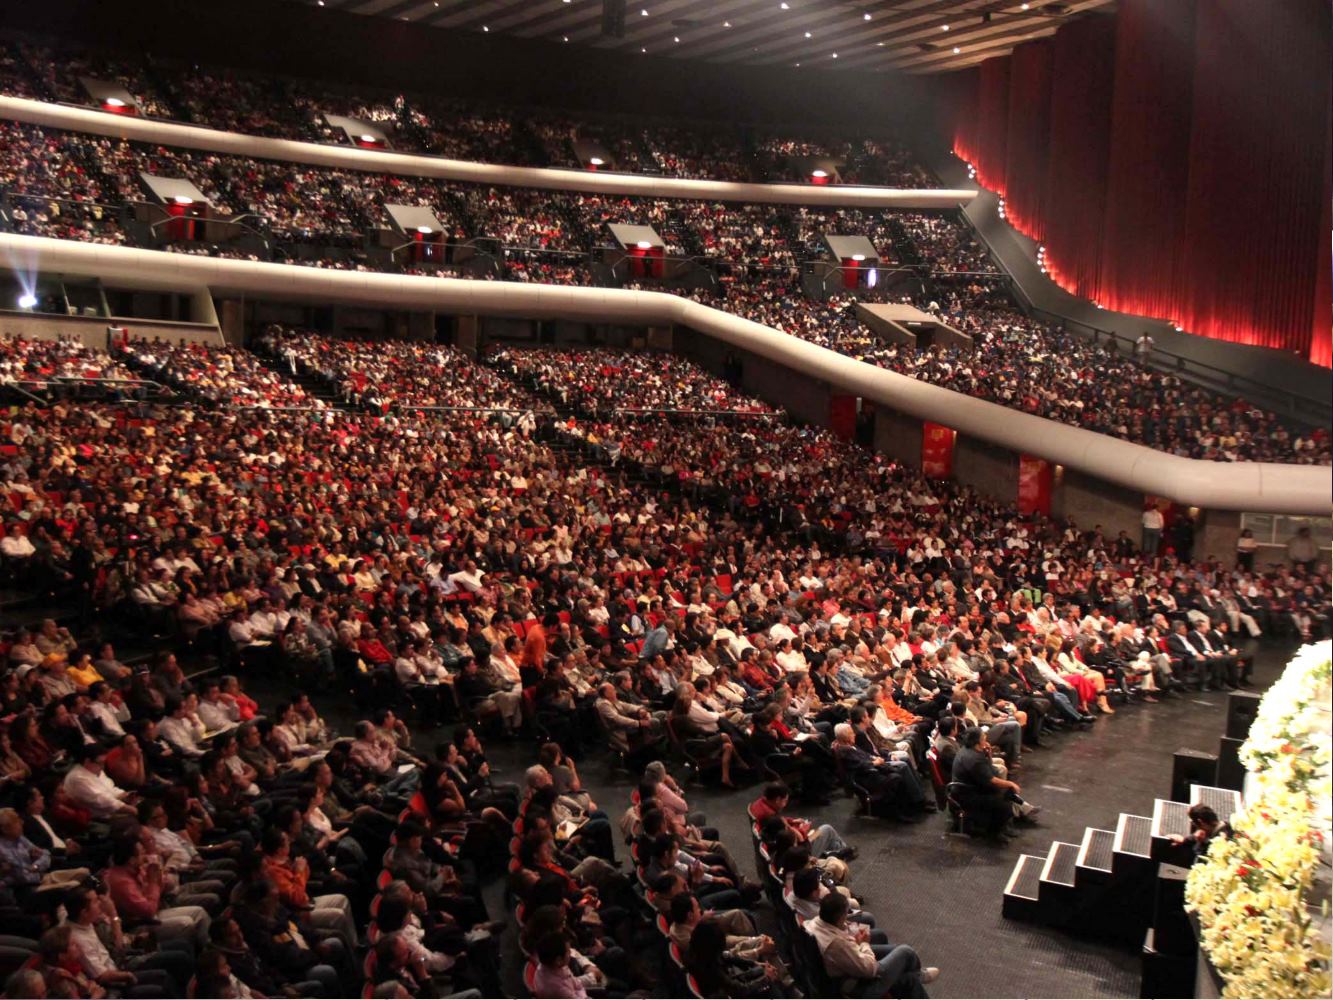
(1133, 835)
(1170, 819)
(1060, 862)
(1025, 880)
(1097, 849)
(1223, 801)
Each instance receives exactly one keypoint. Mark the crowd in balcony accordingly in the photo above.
(602, 380)
(68, 186)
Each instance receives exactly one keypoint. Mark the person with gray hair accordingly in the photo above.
(25, 984)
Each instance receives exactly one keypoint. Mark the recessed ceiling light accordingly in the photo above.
(564, 38)
(320, 2)
(1025, 6)
(726, 24)
(485, 28)
(798, 65)
(645, 51)
(807, 34)
(785, 6)
(879, 45)
(835, 55)
(676, 38)
(866, 16)
(956, 50)
(944, 27)
(644, 12)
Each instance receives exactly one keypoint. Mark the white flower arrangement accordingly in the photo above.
(1255, 891)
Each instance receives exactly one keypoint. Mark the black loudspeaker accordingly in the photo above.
(1191, 767)
(1230, 771)
(613, 18)
(1242, 707)
(1165, 976)
(1172, 933)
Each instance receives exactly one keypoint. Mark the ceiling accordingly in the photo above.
(911, 36)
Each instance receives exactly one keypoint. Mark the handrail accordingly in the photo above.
(142, 129)
(1244, 486)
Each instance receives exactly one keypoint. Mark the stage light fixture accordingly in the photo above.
(27, 301)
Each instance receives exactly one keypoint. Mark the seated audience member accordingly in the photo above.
(861, 968)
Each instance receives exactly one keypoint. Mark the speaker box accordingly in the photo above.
(1230, 771)
(1172, 934)
(1165, 976)
(1242, 707)
(1191, 767)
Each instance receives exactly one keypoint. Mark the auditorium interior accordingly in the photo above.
(666, 498)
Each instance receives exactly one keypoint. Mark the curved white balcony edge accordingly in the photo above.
(78, 119)
(1248, 486)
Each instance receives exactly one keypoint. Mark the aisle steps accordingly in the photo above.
(1104, 884)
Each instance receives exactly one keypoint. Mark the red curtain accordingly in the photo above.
(1257, 208)
(955, 110)
(937, 450)
(842, 416)
(1029, 132)
(1148, 172)
(992, 131)
(1083, 60)
(1036, 476)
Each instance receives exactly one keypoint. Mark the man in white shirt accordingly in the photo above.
(166, 969)
(1153, 523)
(87, 785)
(16, 545)
(182, 728)
(103, 708)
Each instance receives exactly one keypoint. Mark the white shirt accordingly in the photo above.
(106, 715)
(96, 959)
(1152, 519)
(95, 792)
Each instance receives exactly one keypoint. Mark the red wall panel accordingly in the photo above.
(1029, 136)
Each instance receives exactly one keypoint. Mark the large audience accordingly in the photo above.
(794, 614)
(286, 107)
(81, 187)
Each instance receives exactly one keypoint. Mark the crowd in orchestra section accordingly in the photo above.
(736, 596)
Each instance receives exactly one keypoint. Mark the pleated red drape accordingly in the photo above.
(1083, 60)
(1148, 170)
(992, 132)
(1259, 175)
(1029, 133)
(1180, 170)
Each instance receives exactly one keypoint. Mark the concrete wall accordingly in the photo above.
(804, 397)
(91, 330)
(986, 468)
(898, 436)
(1092, 501)
(1215, 535)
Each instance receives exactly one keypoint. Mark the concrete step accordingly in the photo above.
(1131, 851)
(1022, 891)
(1169, 821)
(1096, 856)
(1223, 801)
(1056, 890)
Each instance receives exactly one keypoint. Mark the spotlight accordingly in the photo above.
(819, 173)
(27, 301)
(425, 230)
(644, 245)
(114, 102)
(596, 161)
(858, 257)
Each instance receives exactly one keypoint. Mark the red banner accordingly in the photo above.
(1035, 477)
(842, 416)
(937, 450)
